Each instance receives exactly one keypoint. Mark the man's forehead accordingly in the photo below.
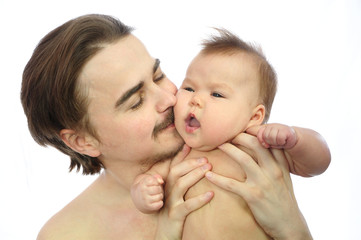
(116, 59)
(123, 50)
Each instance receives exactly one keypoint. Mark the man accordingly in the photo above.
(92, 91)
(97, 100)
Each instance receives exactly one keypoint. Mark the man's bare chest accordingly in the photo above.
(128, 224)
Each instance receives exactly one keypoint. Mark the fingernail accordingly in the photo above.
(206, 167)
(209, 175)
(201, 160)
(160, 180)
(184, 147)
(220, 146)
(208, 195)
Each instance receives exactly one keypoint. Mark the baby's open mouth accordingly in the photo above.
(192, 123)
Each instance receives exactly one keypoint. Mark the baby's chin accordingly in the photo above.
(202, 148)
(198, 145)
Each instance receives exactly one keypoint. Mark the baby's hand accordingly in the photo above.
(277, 136)
(147, 193)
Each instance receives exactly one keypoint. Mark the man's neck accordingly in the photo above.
(122, 175)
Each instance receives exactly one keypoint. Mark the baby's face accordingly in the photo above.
(217, 99)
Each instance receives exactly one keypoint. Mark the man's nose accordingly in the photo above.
(166, 99)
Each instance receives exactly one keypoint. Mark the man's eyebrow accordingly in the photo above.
(128, 94)
(156, 65)
(136, 88)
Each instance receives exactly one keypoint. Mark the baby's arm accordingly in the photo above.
(147, 191)
(306, 151)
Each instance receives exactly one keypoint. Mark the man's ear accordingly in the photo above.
(257, 116)
(82, 144)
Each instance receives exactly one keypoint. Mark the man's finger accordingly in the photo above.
(190, 205)
(181, 155)
(182, 184)
(251, 146)
(248, 164)
(228, 184)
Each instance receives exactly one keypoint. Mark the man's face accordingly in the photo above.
(217, 99)
(130, 104)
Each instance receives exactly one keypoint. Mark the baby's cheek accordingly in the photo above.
(217, 135)
(179, 115)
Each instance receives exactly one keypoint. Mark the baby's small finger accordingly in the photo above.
(151, 181)
(156, 198)
(159, 178)
(154, 190)
(156, 205)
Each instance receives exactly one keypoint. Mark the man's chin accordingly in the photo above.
(168, 154)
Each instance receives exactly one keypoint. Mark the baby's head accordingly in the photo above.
(229, 87)
(228, 44)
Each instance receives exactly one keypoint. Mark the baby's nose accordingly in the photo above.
(196, 101)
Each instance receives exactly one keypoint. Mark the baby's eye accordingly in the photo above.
(217, 95)
(189, 89)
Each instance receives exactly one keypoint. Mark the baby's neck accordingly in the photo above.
(205, 148)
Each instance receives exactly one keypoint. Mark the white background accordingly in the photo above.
(315, 47)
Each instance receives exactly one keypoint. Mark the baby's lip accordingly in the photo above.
(189, 117)
(192, 123)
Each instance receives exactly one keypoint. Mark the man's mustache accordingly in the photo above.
(160, 127)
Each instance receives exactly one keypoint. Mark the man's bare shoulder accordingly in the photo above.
(102, 211)
(72, 222)
(77, 220)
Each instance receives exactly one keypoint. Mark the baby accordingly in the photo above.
(229, 88)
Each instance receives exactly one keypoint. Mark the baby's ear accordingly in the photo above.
(257, 116)
(80, 143)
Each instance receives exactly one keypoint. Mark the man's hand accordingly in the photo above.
(183, 174)
(267, 189)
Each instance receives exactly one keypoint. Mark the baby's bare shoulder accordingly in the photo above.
(221, 163)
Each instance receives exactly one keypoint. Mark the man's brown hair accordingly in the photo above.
(229, 43)
(50, 94)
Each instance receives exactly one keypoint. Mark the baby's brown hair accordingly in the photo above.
(229, 43)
